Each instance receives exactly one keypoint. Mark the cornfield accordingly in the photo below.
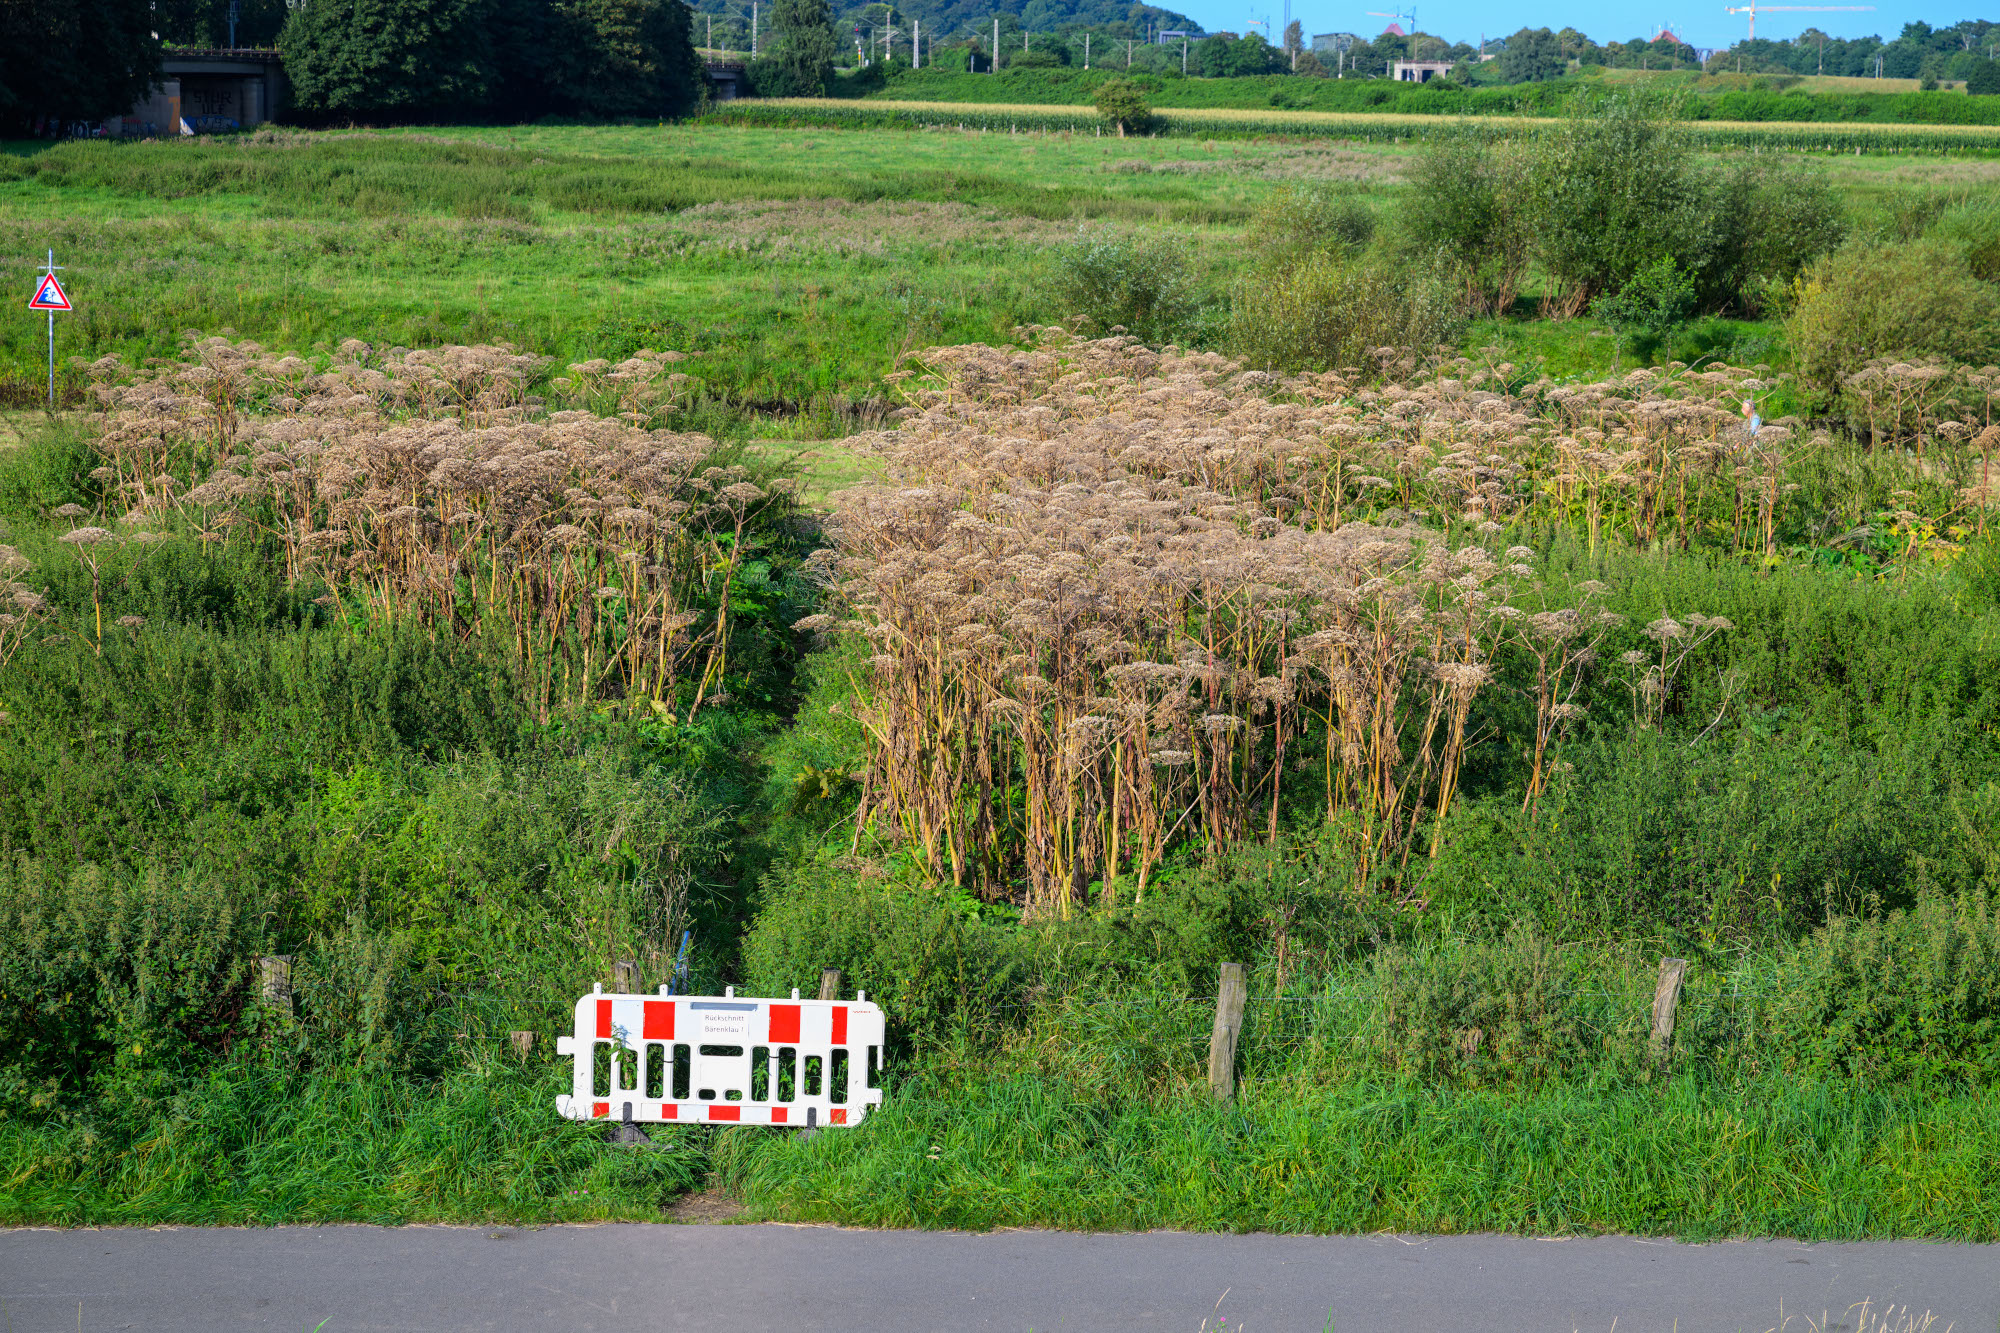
(1385, 127)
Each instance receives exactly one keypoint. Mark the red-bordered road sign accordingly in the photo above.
(49, 295)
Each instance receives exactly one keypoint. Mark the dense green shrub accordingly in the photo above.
(1609, 192)
(1470, 201)
(1701, 844)
(1875, 299)
(1301, 220)
(1140, 283)
(478, 857)
(1973, 229)
(1913, 994)
(1331, 311)
(106, 973)
(1656, 300)
(939, 974)
(1506, 1006)
(1124, 107)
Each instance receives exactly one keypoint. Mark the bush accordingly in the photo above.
(1611, 193)
(1330, 311)
(1913, 994)
(1301, 220)
(1973, 229)
(1657, 300)
(106, 974)
(1873, 299)
(1700, 846)
(1476, 1009)
(1123, 104)
(937, 974)
(1468, 198)
(1603, 195)
(767, 76)
(1774, 219)
(1139, 283)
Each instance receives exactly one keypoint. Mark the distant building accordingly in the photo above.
(1332, 43)
(1421, 71)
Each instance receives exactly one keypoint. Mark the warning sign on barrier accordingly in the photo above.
(717, 1058)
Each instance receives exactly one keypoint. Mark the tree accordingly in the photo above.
(206, 22)
(1983, 79)
(74, 59)
(397, 59)
(1532, 56)
(805, 44)
(1295, 42)
(625, 58)
(1123, 103)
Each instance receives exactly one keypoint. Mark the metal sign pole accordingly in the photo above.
(52, 340)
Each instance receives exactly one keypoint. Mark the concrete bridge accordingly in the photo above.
(204, 91)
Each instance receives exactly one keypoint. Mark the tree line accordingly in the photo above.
(366, 59)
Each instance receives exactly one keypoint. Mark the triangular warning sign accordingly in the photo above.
(50, 295)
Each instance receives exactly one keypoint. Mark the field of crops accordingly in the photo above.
(1364, 127)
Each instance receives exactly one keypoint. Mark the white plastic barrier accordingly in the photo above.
(717, 1058)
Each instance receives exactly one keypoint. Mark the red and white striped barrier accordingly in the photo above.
(719, 1059)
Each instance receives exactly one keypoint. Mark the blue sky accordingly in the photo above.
(1703, 24)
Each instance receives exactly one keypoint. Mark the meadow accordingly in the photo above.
(1024, 568)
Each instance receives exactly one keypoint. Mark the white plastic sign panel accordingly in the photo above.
(723, 1059)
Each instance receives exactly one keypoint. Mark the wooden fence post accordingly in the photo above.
(275, 974)
(625, 976)
(829, 984)
(1666, 1002)
(523, 1043)
(1229, 998)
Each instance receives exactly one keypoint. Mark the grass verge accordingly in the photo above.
(1813, 1161)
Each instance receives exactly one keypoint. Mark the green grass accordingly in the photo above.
(794, 264)
(1816, 1162)
(1722, 97)
(819, 259)
(1686, 1158)
(252, 1145)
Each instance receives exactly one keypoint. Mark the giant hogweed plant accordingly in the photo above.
(436, 485)
(1119, 598)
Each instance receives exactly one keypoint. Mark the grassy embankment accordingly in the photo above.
(253, 770)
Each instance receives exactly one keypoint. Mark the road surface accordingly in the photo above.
(745, 1279)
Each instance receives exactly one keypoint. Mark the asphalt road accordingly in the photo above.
(726, 1279)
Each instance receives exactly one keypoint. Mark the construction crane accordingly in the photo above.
(1409, 18)
(1753, 9)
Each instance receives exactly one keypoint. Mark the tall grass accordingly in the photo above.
(253, 1144)
(1768, 1158)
